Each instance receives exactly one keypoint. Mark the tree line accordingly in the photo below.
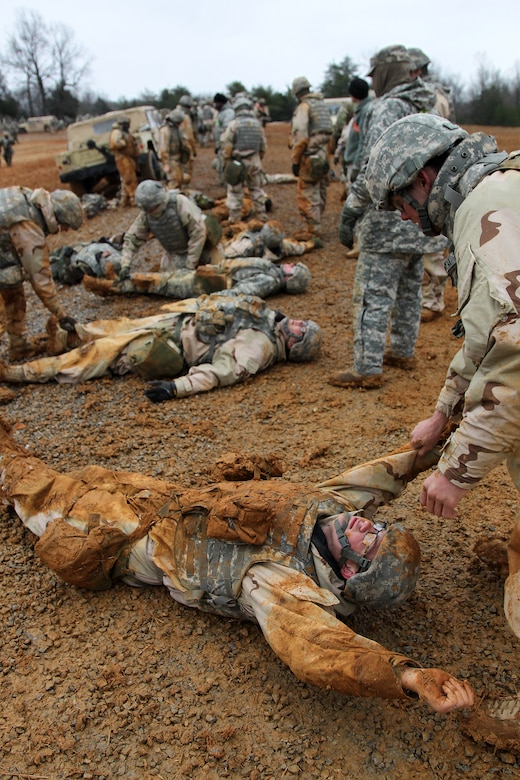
(49, 67)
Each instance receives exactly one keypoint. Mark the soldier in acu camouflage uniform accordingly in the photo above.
(458, 184)
(175, 221)
(174, 147)
(389, 270)
(243, 146)
(249, 275)
(26, 218)
(311, 138)
(269, 242)
(286, 556)
(123, 146)
(185, 106)
(225, 113)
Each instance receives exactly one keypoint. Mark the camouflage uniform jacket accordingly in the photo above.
(123, 144)
(384, 231)
(485, 374)
(190, 218)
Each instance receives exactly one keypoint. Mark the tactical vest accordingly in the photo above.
(319, 120)
(219, 317)
(168, 228)
(248, 134)
(209, 538)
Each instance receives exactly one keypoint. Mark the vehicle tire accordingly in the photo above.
(151, 168)
(78, 188)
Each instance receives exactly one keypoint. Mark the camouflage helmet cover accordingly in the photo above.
(186, 100)
(150, 194)
(388, 55)
(297, 280)
(392, 575)
(309, 345)
(242, 102)
(403, 150)
(175, 117)
(418, 58)
(301, 85)
(123, 120)
(67, 208)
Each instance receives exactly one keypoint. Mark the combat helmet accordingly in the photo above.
(175, 117)
(150, 194)
(67, 208)
(186, 101)
(300, 86)
(392, 575)
(242, 102)
(123, 120)
(297, 281)
(418, 58)
(272, 235)
(309, 345)
(403, 150)
(388, 55)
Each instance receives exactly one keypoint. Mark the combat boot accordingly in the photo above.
(406, 363)
(352, 378)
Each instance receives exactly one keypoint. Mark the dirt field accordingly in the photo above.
(127, 683)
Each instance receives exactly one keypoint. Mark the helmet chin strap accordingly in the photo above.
(422, 211)
(347, 553)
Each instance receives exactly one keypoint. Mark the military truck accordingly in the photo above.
(39, 124)
(89, 166)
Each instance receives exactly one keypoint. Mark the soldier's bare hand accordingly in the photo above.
(440, 496)
(442, 692)
(426, 434)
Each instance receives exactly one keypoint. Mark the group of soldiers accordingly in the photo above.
(288, 556)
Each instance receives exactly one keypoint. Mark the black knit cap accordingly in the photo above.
(358, 88)
(219, 98)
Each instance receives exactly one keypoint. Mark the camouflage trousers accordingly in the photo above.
(311, 194)
(13, 305)
(253, 180)
(434, 284)
(128, 172)
(387, 290)
(174, 172)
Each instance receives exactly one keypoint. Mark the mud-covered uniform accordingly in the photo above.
(249, 550)
(26, 218)
(124, 147)
(180, 229)
(221, 344)
(174, 149)
(311, 136)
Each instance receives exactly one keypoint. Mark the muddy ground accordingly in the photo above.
(127, 683)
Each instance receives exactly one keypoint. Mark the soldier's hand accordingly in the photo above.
(440, 496)
(160, 390)
(346, 227)
(124, 272)
(295, 169)
(68, 324)
(426, 433)
(442, 692)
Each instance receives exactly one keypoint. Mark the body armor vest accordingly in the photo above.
(168, 228)
(219, 317)
(174, 141)
(209, 538)
(320, 120)
(248, 134)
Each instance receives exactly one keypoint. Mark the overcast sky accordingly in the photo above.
(137, 46)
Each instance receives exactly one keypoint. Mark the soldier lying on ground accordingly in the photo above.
(287, 556)
(268, 241)
(249, 275)
(221, 339)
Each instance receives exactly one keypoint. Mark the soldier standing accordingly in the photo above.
(123, 146)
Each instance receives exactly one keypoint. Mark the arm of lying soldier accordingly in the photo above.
(291, 591)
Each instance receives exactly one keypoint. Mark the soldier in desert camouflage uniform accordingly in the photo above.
(389, 270)
(311, 139)
(447, 181)
(243, 146)
(123, 146)
(174, 147)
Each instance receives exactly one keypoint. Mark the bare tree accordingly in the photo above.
(30, 55)
(70, 60)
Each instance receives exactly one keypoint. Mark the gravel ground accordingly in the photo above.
(127, 683)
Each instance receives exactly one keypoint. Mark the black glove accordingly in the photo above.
(68, 323)
(124, 272)
(336, 159)
(160, 391)
(295, 169)
(346, 226)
